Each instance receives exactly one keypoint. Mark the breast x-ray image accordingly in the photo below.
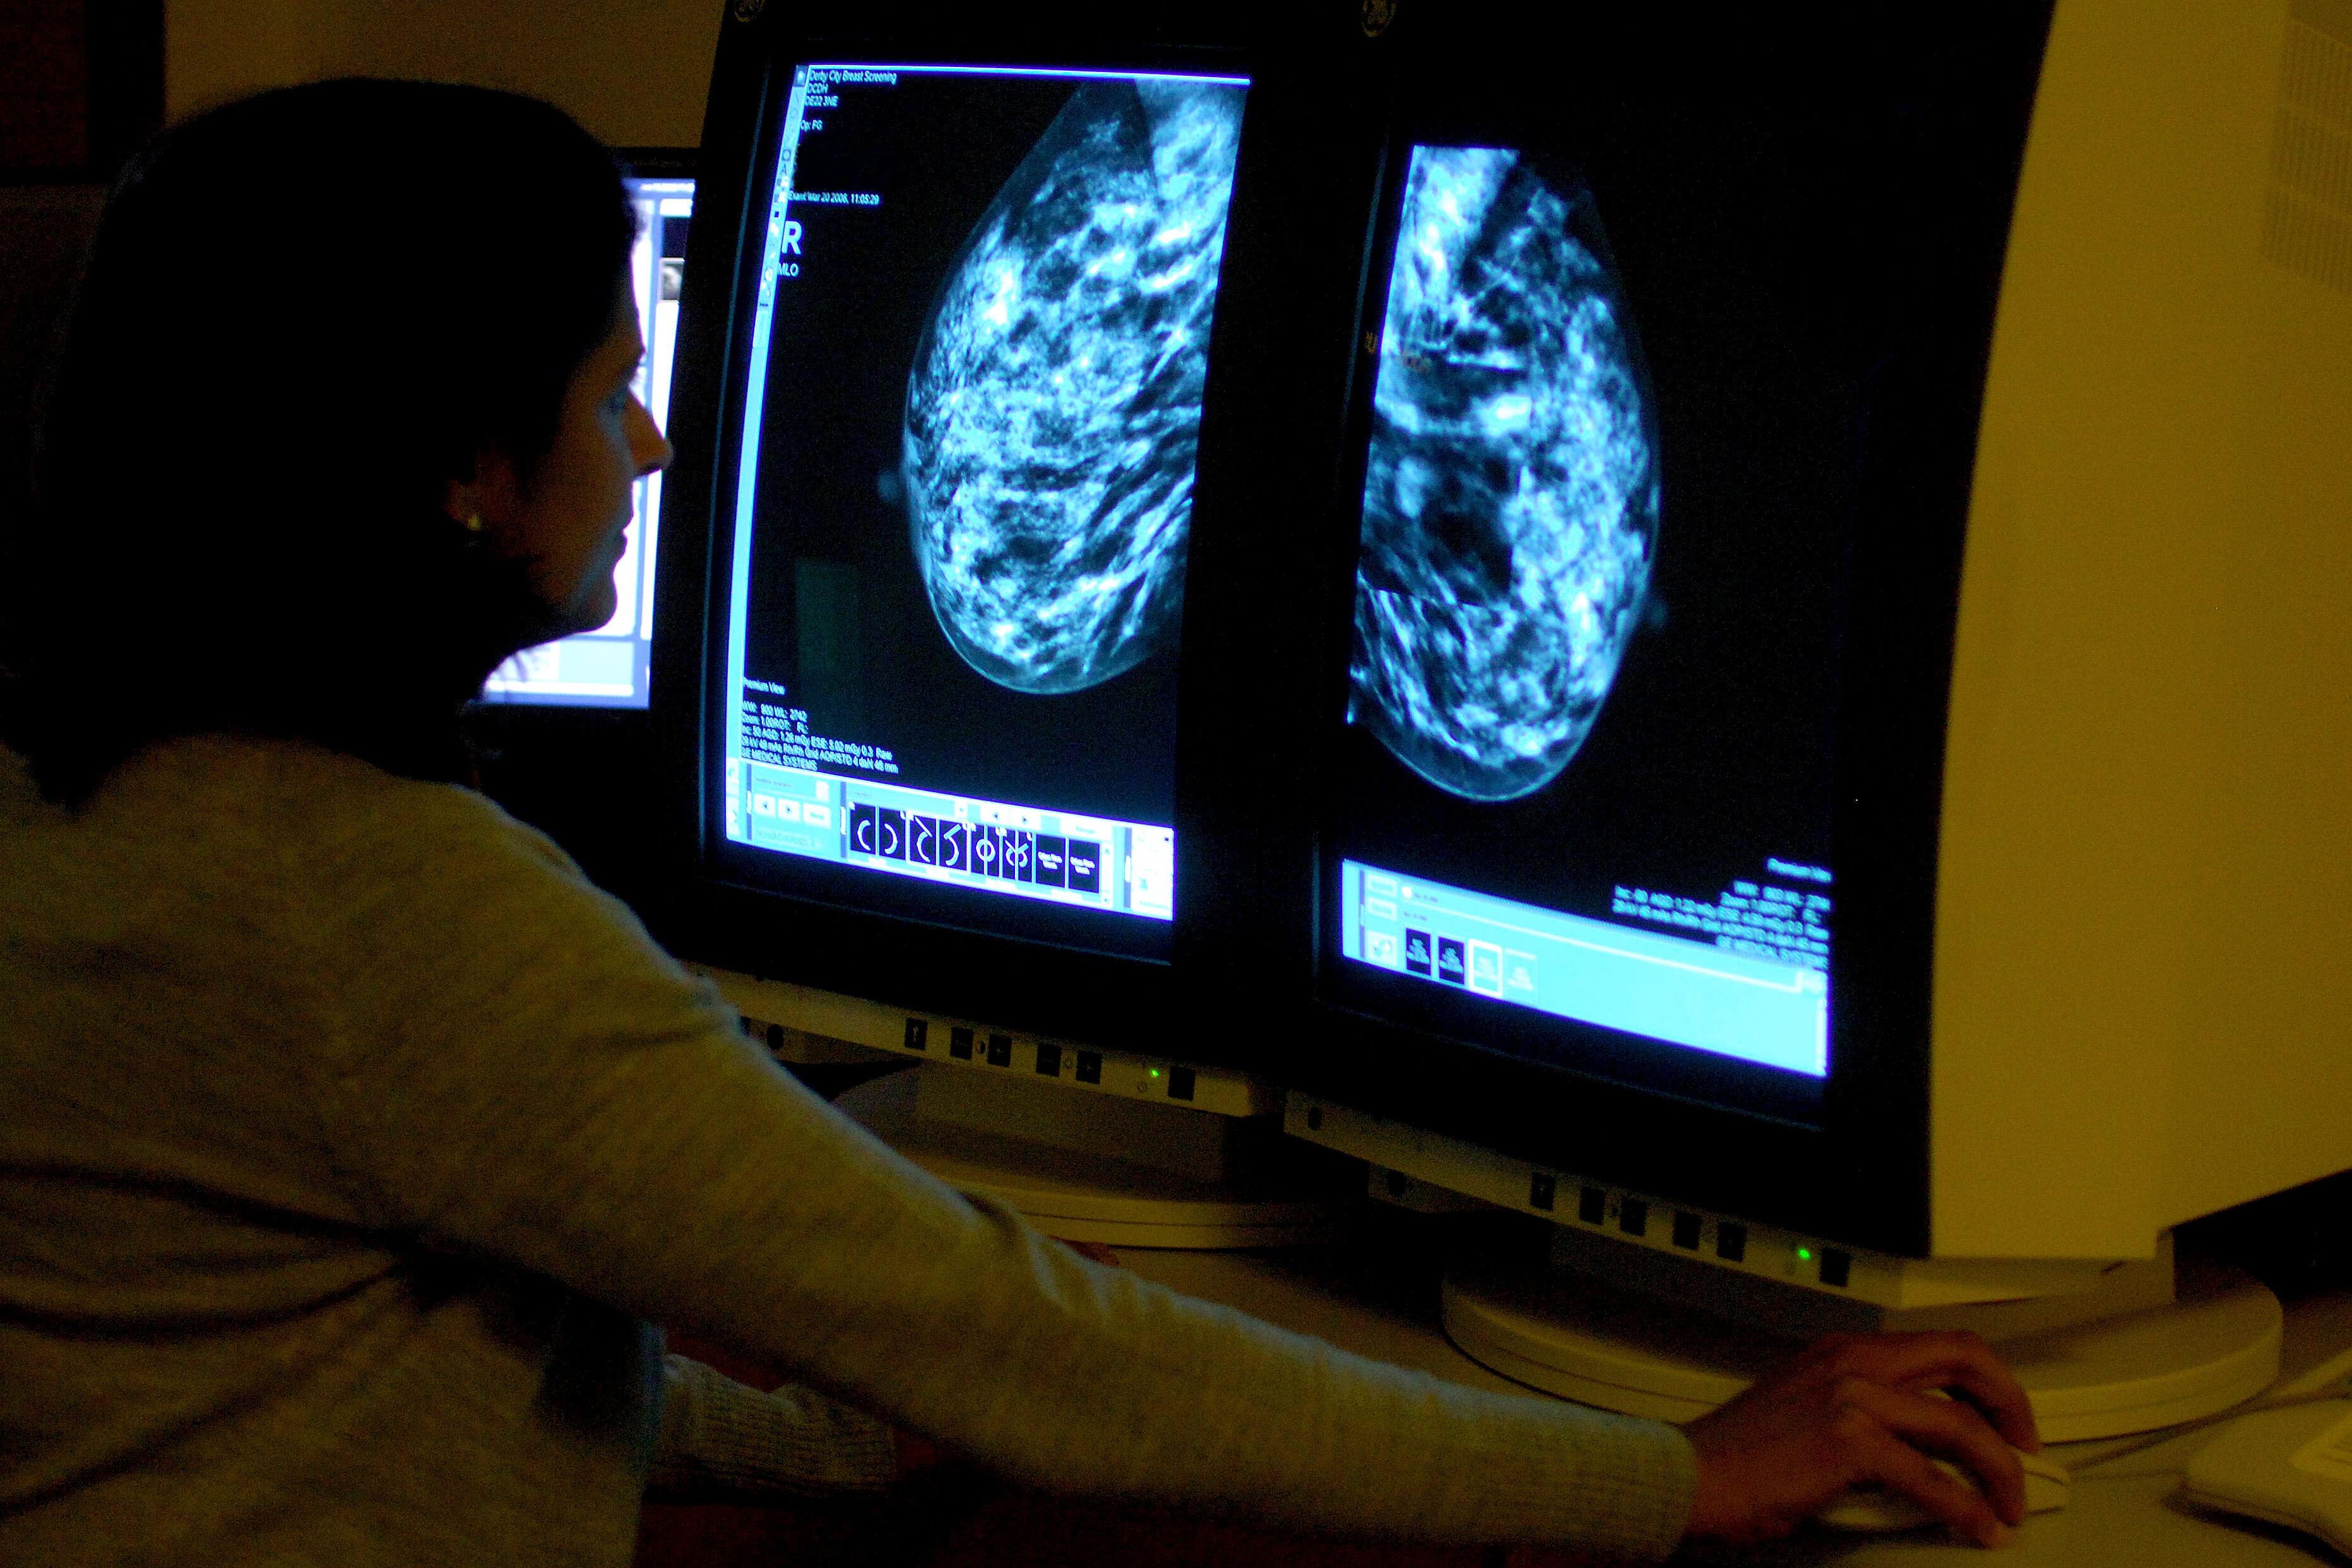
(1511, 497)
(1053, 412)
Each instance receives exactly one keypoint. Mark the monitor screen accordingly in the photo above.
(963, 486)
(611, 666)
(1583, 811)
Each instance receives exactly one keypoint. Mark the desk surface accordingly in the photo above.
(2122, 1515)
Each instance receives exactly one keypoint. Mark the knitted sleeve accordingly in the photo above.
(722, 1439)
(537, 1082)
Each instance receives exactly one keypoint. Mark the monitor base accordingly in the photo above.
(2215, 1344)
(1097, 1169)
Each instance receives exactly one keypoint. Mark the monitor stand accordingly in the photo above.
(1093, 1168)
(1101, 1146)
(1635, 1303)
(1628, 1330)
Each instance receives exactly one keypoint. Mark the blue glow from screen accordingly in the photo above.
(1765, 1001)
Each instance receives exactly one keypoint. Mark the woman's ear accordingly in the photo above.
(492, 496)
(457, 501)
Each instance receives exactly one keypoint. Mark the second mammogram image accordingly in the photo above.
(1053, 411)
(1511, 496)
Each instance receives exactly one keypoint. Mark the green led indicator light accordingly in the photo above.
(1155, 1072)
(1804, 1255)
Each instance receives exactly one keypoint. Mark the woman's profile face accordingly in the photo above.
(566, 524)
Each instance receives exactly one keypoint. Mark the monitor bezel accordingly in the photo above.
(1855, 1167)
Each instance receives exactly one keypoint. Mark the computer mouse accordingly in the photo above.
(1871, 1509)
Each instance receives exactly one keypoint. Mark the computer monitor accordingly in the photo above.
(610, 666)
(1824, 684)
(973, 439)
(975, 417)
(1651, 510)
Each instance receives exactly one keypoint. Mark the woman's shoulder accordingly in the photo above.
(288, 824)
(307, 797)
(225, 842)
(441, 918)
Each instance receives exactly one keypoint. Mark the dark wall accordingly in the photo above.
(81, 84)
(44, 230)
(44, 86)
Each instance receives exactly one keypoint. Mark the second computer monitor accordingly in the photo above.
(1642, 585)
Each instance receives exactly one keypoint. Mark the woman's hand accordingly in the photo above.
(1868, 1411)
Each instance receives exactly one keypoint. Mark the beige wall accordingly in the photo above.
(634, 71)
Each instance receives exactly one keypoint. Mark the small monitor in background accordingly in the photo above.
(611, 666)
(964, 476)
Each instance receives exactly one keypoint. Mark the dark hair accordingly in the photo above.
(305, 314)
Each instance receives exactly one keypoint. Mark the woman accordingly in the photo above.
(353, 1141)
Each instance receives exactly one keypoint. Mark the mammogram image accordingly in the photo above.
(1511, 497)
(1054, 411)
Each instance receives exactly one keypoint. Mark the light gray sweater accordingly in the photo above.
(350, 1140)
